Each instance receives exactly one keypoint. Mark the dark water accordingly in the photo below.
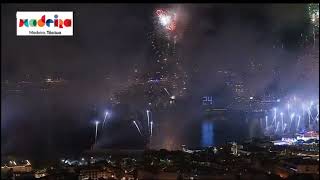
(233, 126)
(48, 127)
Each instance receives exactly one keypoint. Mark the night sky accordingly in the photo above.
(111, 39)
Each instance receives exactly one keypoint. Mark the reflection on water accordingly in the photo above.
(233, 126)
(207, 138)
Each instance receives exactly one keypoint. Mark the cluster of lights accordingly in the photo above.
(13, 163)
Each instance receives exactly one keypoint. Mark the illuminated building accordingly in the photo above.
(297, 166)
(40, 173)
(95, 173)
(17, 168)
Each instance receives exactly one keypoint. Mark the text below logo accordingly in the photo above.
(44, 23)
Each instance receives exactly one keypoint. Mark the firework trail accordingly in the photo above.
(96, 131)
(281, 114)
(304, 115)
(266, 122)
(148, 118)
(277, 126)
(299, 118)
(151, 126)
(274, 120)
(104, 120)
(311, 105)
(291, 119)
(137, 127)
(309, 115)
(285, 125)
(151, 122)
(275, 115)
(317, 117)
(167, 91)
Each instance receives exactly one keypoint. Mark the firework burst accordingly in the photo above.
(313, 10)
(167, 19)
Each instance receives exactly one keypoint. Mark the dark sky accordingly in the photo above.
(110, 39)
